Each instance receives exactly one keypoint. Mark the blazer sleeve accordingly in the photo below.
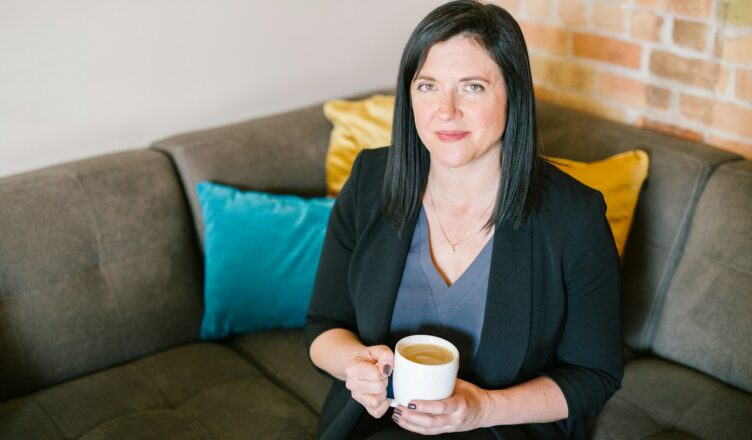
(331, 305)
(590, 363)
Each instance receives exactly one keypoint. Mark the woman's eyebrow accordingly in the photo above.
(475, 78)
(465, 79)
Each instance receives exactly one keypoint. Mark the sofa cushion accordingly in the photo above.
(194, 391)
(678, 172)
(97, 266)
(281, 354)
(281, 154)
(365, 123)
(705, 321)
(262, 251)
(660, 399)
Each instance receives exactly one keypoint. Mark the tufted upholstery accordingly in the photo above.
(278, 354)
(660, 399)
(195, 391)
(678, 172)
(98, 266)
(701, 322)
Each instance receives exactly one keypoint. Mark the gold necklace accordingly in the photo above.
(453, 246)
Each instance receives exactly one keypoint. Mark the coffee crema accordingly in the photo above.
(427, 354)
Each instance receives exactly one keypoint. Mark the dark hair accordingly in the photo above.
(407, 167)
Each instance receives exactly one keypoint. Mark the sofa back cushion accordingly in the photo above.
(678, 172)
(98, 265)
(282, 154)
(705, 320)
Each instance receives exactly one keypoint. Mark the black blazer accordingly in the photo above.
(553, 294)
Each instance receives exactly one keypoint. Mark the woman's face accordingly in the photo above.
(459, 102)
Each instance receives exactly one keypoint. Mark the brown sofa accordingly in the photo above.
(101, 290)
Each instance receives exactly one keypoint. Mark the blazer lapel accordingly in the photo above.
(381, 266)
(506, 327)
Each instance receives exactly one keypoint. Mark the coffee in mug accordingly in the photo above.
(427, 354)
(425, 368)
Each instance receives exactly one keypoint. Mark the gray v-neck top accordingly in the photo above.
(426, 305)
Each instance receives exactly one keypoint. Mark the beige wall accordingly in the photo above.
(679, 66)
(85, 77)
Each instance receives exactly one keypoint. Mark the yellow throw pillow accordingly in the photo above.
(357, 125)
(368, 124)
(619, 178)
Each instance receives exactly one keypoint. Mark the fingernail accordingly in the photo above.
(395, 417)
(411, 406)
(387, 369)
(398, 411)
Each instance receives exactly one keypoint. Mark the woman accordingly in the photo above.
(528, 272)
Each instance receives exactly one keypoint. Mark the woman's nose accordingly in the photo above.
(447, 106)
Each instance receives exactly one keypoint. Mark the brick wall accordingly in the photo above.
(678, 66)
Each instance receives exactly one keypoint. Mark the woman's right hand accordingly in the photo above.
(367, 375)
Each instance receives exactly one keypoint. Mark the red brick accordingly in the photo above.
(723, 79)
(610, 17)
(738, 50)
(671, 129)
(593, 106)
(732, 118)
(696, 108)
(742, 148)
(648, 3)
(646, 26)
(538, 10)
(690, 71)
(744, 84)
(693, 8)
(623, 89)
(718, 44)
(607, 49)
(544, 94)
(563, 74)
(573, 12)
(547, 38)
(690, 34)
(512, 6)
(657, 97)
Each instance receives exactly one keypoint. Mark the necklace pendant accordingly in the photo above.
(451, 251)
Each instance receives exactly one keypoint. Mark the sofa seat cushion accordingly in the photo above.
(282, 356)
(194, 391)
(660, 399)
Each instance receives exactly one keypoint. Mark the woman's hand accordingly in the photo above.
(466, 410)
(367, 375)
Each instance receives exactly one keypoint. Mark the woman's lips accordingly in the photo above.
(451, 136)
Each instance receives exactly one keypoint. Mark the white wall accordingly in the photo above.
(85, 77)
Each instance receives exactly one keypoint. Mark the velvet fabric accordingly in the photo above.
(261, 254)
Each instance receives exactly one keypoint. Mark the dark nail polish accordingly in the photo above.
(387, 370)
(411, 406)
(395, 417)
(397, 411)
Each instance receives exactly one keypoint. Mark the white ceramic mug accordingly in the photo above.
(415, 381)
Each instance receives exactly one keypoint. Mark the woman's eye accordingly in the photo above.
(425, 87)
(475, 88)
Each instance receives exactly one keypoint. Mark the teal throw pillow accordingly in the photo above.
(261, 252)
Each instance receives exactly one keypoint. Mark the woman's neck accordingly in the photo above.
(465, 186)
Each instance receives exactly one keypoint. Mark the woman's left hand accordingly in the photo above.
(466, 410)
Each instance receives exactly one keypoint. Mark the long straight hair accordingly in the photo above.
(408, 163)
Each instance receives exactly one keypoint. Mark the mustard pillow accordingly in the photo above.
(619, 178)
(368, 124)
(357, 125)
